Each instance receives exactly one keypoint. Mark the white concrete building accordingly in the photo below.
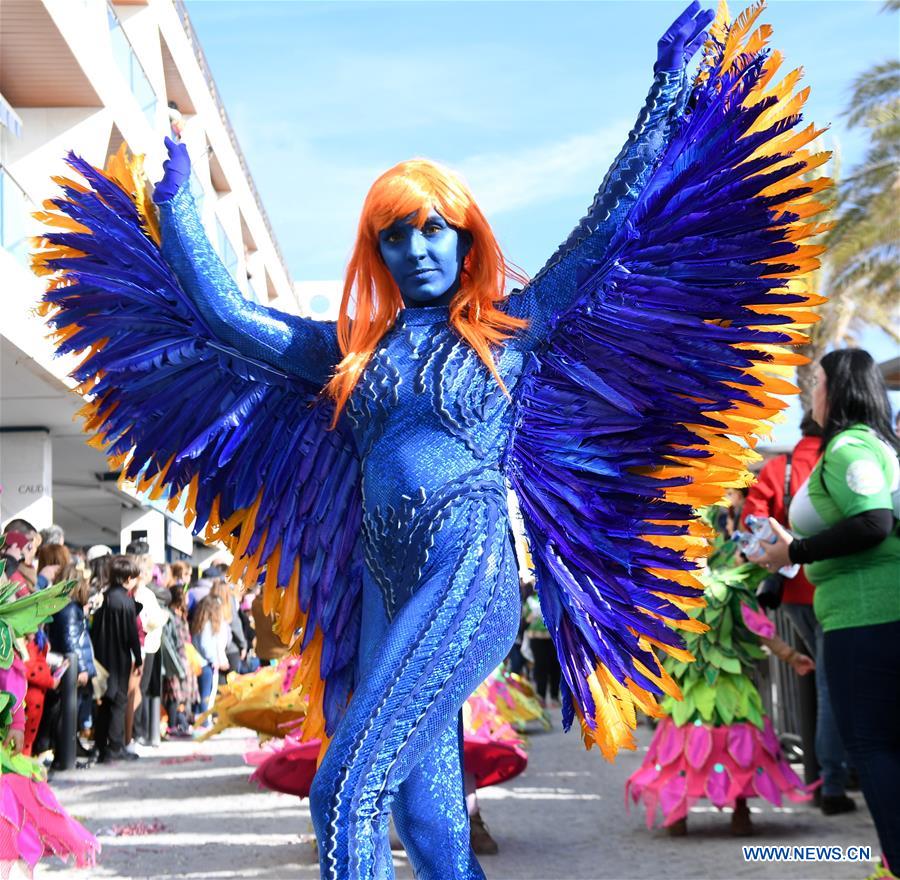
(84, 75)
(319, 299)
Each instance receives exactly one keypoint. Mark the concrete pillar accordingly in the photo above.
(147, 525)
(179, 538)
(26, 476)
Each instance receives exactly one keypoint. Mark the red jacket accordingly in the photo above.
(766, 498)
(40, 680)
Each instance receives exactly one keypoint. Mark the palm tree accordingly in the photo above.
(861, 273)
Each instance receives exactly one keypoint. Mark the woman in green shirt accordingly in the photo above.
(845, 519)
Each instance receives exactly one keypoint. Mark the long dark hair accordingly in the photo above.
(856, 394)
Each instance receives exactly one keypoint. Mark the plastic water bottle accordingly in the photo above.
(761, 532)
(747, 543)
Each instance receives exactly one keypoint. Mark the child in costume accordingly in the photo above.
(492, 749)
(718, 743)
(359, 469)
(20, 546)
(271, 702)
(40, 680)
(32, 822)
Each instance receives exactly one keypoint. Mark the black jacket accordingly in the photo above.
(68, 633)
(115, 637)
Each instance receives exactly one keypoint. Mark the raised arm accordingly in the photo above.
(553, 288)
(301, 346)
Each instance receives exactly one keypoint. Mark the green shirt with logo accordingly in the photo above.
(858, 472)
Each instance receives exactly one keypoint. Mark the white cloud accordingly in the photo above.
(314, 194)
(510, 181)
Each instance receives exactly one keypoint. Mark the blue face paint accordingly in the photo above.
(425, 263)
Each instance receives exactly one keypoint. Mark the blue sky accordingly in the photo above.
(530, 101)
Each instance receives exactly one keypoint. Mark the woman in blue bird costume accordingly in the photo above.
(358, 469)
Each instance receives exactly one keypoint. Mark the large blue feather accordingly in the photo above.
(635, 360)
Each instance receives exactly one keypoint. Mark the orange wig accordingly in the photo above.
(418, 187)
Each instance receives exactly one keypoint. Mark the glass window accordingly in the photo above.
(131, 67)
(14, 208)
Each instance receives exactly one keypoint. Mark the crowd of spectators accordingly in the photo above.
(150, 644)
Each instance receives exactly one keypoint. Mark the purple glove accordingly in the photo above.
(177, 169)
(683, 38)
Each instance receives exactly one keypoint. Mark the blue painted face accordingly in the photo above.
(426, 263)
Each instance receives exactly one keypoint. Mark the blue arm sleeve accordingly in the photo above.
(553, 289)
(300, 346)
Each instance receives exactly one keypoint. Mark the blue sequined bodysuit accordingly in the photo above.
(441, 595)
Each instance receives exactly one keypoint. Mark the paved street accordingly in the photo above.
(564, 818)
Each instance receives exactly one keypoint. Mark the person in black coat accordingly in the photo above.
(117, 648)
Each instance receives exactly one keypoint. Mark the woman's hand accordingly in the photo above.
(802, 664)
(777, 555)
(177, 169)
(683, 38)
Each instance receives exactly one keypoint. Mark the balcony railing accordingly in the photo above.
(15, 207)
(131, 67)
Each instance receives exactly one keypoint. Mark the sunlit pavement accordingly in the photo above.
(563, 818)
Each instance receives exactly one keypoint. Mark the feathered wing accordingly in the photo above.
(644, 402)
(244, 446)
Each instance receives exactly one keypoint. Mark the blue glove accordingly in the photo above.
(683, 38)
(177, 169)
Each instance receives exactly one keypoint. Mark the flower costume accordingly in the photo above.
(32, 822)
(717, 743)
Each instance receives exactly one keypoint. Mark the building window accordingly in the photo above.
(14, 209)
(131, 67)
